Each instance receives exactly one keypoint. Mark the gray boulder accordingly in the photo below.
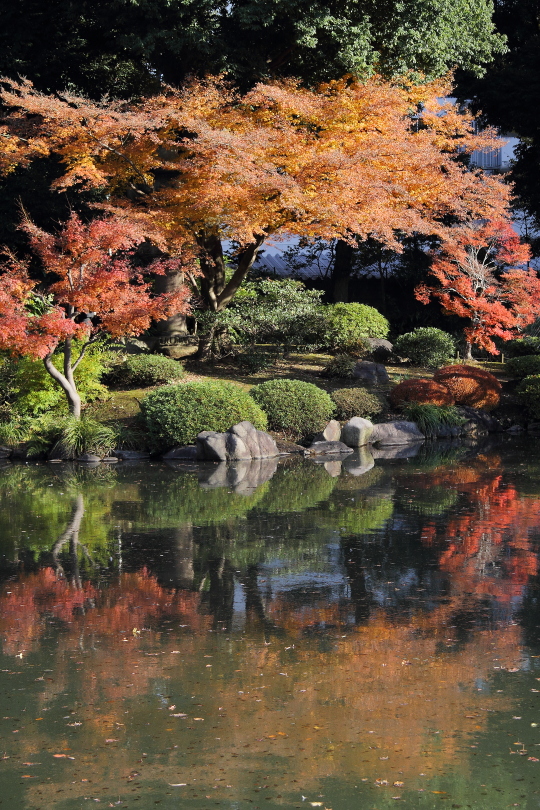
(331, 433)
(237, 449)
(381, 349)
(328, 448)
(370, 373)
(211, 446)
(187, 453)
(357, 432)
(89, 458)
(133, 455)
(397, 432)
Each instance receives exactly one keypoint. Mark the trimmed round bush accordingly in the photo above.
(175, 414)
(525, 366)
(349, 325)
(528, 392)
(351, 402)
(425, 392)
(144, 370)
(470, 385)
(297, 408)
(341, 365)
(522, 346)
(426, 346)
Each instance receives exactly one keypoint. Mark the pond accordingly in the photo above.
(344, 636)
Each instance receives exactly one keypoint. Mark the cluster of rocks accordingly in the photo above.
(242, 442)
(359, 432)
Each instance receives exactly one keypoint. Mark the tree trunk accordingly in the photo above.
(66, 380)
(175, 327)
(341, 274)
(216, 292)
(468, 351)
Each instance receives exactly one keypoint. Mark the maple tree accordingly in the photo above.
(89, 287)
(481, 278)
(204, 165)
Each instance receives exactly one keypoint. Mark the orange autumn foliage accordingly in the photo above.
(481, 278)
(470, 385)
(422, 391)
(204, 164)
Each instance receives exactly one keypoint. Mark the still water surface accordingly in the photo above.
(334, 637)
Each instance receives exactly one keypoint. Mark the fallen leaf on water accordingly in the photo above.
(60, 756)
(198, 718)
(398, 784)
(533, 759)
(439, 791)
(177, 784)
(179, 714)
(112, 739)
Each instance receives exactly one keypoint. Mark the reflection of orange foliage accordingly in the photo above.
(136, 601)
(470, 385)
(486, 547)
(423, 391)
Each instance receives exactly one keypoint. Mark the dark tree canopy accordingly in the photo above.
(124, 47)
(509, 93)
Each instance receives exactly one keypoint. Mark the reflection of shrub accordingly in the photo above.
(525, 366)
(296, 488)
(423, 391)
(426, 346)
(348, 326)
(430, 502)
(351, 402)
(470, 385)
(341, 365)
(144, 370)
(528, 392)
(295, 407)
(430, 418)
(366, 514)
(175, 414)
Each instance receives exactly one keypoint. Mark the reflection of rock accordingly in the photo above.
(357, 432)
(370, 373)
(328, 448)
(242, 442)
(331, 433)
(333, 468)
(243, 477)
(360, 462)
(5, 452)
(396, 451)
(398, 432)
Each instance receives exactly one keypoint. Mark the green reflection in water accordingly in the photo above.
(342, 642)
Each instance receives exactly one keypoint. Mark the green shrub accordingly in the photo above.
(144, 370)
(253, 361)
(522, 346)
(430, 418)
(341, 365)
(349, 325)
(273, 311)
(297, 408)
(525, 366)
(426, 346)
(175, 414)
(30, 390)
(528, 392)
(351, 402)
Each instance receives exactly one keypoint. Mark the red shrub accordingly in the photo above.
(470, 385)
(422, 391)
